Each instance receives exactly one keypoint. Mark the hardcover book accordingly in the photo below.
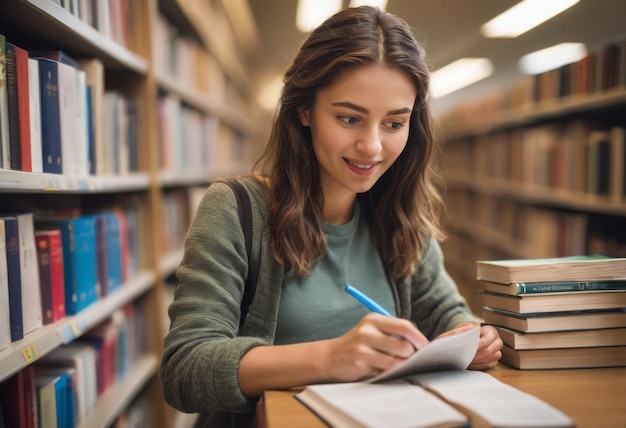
(13, 108)
(556, 321)
(517, 288)
(50, 257)
(556, 302)
(567, 358)
(23, 105)
(35, 116)
(14, 277)
(5, 321)
(574, 268)
(5, 150)
(563, 339)
(50, 116)
(29, 274)
(78, 235)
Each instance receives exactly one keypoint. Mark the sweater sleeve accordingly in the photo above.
(436, 304)
(201, 350)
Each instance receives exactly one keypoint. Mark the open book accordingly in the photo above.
(432, 388)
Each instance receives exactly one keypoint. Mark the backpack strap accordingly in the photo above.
(245, 218)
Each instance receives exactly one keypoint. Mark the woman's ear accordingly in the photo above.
(304, 116)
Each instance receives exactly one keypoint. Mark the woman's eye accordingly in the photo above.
(394, 125)
(348, 120)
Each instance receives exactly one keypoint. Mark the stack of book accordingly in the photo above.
(567, 312)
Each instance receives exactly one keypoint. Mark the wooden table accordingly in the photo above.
(593, 398)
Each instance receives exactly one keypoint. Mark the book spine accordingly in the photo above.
(23, 103)
(50, 116)
(15, 280)
(5, 320)
(5, 152)
(45, 276)
(14, 119)
(555, 287)
(57, 276)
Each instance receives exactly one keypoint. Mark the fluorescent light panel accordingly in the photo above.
(524, 16)
(312, 13)
(553, 57)
(459, 74)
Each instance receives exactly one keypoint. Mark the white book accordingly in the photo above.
(82, 156)
(29, 271)
(82, 358)
(35, 116)
(5, 321)
(67, 114)
(45, 387)
(94, 70)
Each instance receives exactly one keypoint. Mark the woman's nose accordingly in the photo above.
(369, 142)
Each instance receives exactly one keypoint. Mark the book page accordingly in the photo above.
(492, 401)
(392, 404)
(454, 352)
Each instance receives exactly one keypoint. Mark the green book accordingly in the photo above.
(516, 288)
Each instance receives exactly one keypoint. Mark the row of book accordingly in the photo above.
(557, 313)
(188, 138)
(579, 157)
(180, 58)
(56, 116)
(112, 18)
(63, 386)
(52, 266)
(602, 71)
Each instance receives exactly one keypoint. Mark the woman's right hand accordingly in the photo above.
(376, 343)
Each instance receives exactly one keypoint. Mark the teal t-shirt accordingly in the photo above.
(316, 306)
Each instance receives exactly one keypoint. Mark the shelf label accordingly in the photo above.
(67, 333)
(30, 353)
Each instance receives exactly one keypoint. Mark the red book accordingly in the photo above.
(23, 105)
(50, 260)
(17, 395)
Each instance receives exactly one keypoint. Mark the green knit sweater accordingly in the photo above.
(203, 347)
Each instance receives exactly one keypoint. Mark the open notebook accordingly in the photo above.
(431, 389)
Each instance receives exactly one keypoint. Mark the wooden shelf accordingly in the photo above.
(539, 195)
(539, 112)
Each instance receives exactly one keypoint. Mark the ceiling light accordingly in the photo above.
(552, 57)
(312, 13)
(381, 4)
(524, 16)
(459, 74)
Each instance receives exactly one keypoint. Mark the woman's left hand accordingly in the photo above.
(489, 348)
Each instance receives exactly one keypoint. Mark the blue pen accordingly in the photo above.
(366, 301)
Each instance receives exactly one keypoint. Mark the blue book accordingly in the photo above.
(50, 116)
(109, 253)
(65, 392)
(14, 277)
(113, 252)
(78, 235)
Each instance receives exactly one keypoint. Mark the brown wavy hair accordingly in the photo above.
(404, 206)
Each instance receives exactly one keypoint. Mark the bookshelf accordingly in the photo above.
(172, 112)
(538, 170)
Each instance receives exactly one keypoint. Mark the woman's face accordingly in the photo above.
(359, 126)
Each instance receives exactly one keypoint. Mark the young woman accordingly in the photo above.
(345, 194)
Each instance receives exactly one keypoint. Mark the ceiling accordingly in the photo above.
(449, 30)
